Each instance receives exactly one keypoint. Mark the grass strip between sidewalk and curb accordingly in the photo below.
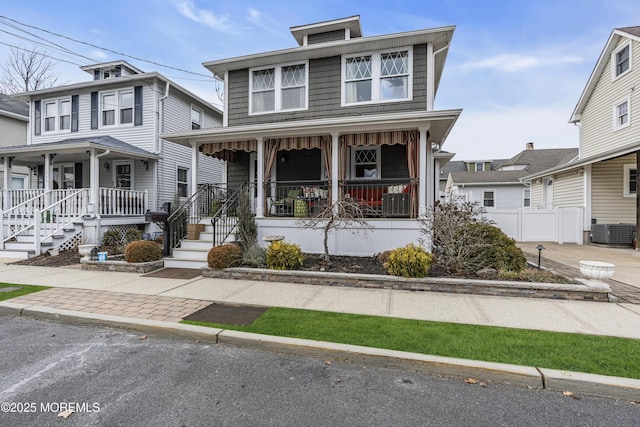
(24, 290)
(602, 355)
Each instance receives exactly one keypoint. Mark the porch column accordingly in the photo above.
(195, 163)
(436, 180)
(48, 178)
(260, 178)
(335, 164)
(425, 188)
(6, 160)
(94, 181)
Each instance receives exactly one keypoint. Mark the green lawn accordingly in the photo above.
(571, 352)
(24, 290)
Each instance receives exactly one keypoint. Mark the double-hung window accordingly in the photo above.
(488, 198)
(621, 61)
(281, 88)
(65, 114)
(621, 114)
(377, 77)
(630, 180)
(50, 113)
(196, 118)
(183, 182)
(117, 108)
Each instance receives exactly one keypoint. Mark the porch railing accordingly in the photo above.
(203, 203)
(225, 220)
(118, 201)
(386, 198)
(45, 220)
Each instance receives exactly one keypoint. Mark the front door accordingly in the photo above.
(123, 174)
(64, 176)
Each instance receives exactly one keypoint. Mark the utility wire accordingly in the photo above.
(106, 49)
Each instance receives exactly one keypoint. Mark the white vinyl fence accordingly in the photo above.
(560, 225)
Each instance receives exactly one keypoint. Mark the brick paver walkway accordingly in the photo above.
(115, 303)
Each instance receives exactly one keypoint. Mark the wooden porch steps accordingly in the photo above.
(22, 247)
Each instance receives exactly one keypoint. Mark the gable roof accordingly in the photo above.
(493, 177)
(13, 107)
(632, 33)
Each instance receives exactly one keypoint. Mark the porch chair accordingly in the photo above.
(285, 206)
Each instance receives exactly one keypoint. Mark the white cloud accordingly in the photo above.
(187, 8)
(263, 21)
(513, 62)
(98, 54)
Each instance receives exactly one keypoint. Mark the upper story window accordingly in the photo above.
(116, 108)
(621, 114)
(365, 162)
(281, 88)
(196, 118)
(621, 60)
(57, 115)
(377, 77)
(630, 180)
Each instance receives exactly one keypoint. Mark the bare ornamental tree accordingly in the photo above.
(26, 70)
(344, 214)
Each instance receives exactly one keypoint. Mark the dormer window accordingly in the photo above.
(621, 61)
(281, 88)
(377, 77)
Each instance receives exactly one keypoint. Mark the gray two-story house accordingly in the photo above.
(96, 160)
(339, 116)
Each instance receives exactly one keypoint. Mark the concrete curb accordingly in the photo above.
(576, 382)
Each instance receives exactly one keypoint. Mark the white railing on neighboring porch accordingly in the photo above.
(44, 220)
(116, 201)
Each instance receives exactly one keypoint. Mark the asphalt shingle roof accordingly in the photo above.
(13, 105)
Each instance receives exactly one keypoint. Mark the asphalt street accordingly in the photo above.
(115, 377)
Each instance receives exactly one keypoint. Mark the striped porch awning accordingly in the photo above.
(380, 138)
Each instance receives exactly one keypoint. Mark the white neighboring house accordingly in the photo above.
(603, 180)
(14, 119)
(497, 185)
(96, 160)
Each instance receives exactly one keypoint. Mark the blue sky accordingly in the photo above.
(516, 68)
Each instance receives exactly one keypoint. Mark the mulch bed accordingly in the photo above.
(227, 314)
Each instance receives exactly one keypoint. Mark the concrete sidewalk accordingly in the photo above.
(134, 299)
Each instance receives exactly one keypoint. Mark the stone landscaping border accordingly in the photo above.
(431, 284)
(122, 266)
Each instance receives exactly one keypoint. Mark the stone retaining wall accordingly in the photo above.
(122, 266)
(432, 284)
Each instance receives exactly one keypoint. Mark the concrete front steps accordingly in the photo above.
(23, 246)
(193, 253)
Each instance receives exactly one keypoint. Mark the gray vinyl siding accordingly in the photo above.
(536, 195)
(177, 113)
(329, 36)
(568, 190)
(597, 132)
(14, 131)
(608, 205)
(325, 83)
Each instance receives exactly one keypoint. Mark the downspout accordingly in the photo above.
(160, 146)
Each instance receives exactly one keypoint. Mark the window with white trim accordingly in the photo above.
(56, 115)
(183, 182)
(488, 198)
(281, 88)
(116, 108)
(621, 114)
(630, 180)
(377, 77)
(365, 162)
(196, 118)
(621, 60)
(526, 195)
(479, 167)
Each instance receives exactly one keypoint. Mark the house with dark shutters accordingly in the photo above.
(339, 116)
(96, 160)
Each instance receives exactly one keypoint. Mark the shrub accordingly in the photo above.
(142, 251)
(247, 226)
(255, 256)
(111, 238)
(409, 261)
(496, 250)
(284, 256)
(132, 234)
(224, 256)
